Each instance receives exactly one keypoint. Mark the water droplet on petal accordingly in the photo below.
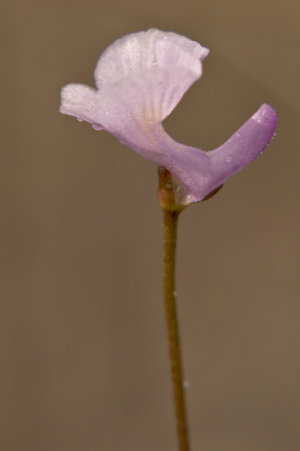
(190, 198)
(228, 158)
(79, 119)
(97, 127)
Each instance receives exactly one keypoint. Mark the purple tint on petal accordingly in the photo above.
(203, 171)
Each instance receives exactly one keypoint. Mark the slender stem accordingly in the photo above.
(170, 232)
(171, 198)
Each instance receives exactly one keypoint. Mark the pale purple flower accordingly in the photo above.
(140, 79)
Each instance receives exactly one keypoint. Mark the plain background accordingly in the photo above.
(83, 342)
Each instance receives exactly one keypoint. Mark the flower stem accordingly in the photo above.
(171, 214)
(170, 229)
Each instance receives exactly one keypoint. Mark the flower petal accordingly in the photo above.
(139, 51)
(132, 108)
(202, 172)
(80, 101)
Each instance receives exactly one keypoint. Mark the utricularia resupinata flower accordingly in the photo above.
(140, 79)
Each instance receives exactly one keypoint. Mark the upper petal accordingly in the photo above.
(142, 50)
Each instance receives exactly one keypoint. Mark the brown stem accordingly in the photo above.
(171, 212)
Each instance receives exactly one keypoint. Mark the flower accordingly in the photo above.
(140, 79)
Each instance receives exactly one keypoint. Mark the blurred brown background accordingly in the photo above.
(83, 342)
